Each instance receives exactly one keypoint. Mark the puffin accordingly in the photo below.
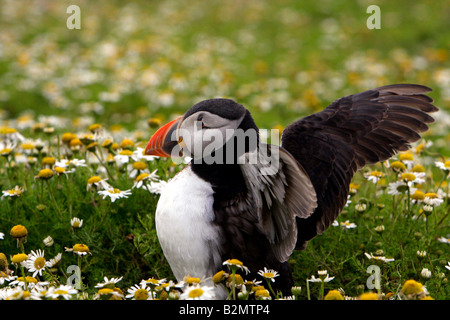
(241, 198)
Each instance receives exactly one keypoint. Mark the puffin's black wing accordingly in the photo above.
(353, 131)
(259, 222)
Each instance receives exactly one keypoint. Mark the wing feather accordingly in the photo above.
(350, 133)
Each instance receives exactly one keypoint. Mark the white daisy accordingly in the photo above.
(411, 178)
(76, 222)
(13, 193)
(348, 225)
(6, 277)
(36, 262)
(156, 187)
(235, 263)
(64, 163)
(443, 165)
(444, 240)
(48, 242)
(108, 283)
(399, 187)
(1, 235)
(62, 292)
(123, 157)
(326, 279)
(198, 292)
(144, 177)
(53, 262)
(98, 183)
(374, 176)
(139, 292)
(139, 154)
(114, 193)
(378, 258)
(268, 274)
(433, 199)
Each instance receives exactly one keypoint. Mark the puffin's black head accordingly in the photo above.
(205, 128)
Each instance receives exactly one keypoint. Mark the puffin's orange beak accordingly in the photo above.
(162, 143)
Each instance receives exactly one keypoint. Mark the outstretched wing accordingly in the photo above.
(259, 223)
(353, 131)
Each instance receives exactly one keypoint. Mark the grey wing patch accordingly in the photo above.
(281, 191)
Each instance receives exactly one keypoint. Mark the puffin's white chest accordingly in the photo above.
(190, 241)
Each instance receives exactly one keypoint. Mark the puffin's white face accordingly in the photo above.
(203, 132)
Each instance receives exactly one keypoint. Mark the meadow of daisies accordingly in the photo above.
(78, 107)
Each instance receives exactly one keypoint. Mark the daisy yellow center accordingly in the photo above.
(126, 153)
(114, 190)
(408, 176)
(7, 130)
(5, 151)
(376, 174)
(142, 176)
(238, 280)
(192, 280)
(235, 262)
(94, 127)
(27, 279)
(334, 295)
(153, 281)
(61, 292)
(3, 261)
(45, 174)
(368, 296)
(27, 146)
(406, 156)
(94, 179)
(268, 275)
(60, 170)
(447, 164)
(107, 143)
(397, 165)
(18, 231)
(68, 136)
(139, 165)
(91, 146)
(354, 185)
(75, 142)
(412, 287)
(262, 294)
(196, 293)
(126, 143)
(80, 248)
(219, 277)
(418, 195)
(431, 195)
(105, 291)
(418, 168)
(18, 258)
(76, 224)
(48, 160)
(141, 294)
(39, 263)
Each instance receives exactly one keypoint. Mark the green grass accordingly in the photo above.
(281, 59)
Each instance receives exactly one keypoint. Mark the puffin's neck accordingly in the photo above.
(226, 177)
